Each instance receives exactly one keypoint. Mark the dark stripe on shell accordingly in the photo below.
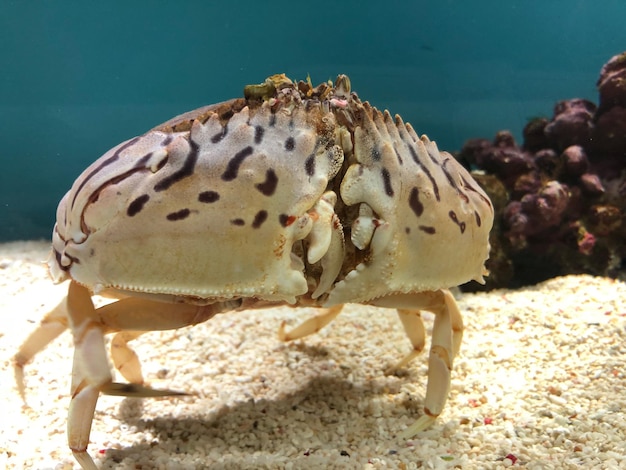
(268, 187)
(452, 182)
(456, 220)
(259, 218)
(220, 135)
(208, 196)
(185, 171)
(141, 163)
(470, 187)
(414, 202)
(258, 134)
(178, 215)
(425, 170)
(58, 257)
(309, 165)
(397, 155)
(387, 182)
(113, 158)
(234, 163)
(137, 205)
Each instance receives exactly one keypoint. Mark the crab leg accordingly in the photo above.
(91, 374)
(411, 320)
(446, 342)
(133, 315)
(310, 326)
(414, 329)
(51, 326)
(90, 371)
(80, 415)
(124, 358)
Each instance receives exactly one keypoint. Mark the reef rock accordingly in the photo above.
(562, 192)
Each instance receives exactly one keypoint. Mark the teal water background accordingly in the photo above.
(76, 78)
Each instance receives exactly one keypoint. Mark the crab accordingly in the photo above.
(292, 195)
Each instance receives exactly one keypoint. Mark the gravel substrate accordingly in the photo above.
(539, 384)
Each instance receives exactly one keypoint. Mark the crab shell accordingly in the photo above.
(293, 194)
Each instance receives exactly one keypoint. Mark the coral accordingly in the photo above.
(571, 124)
(609, 134)
(612, 83)
(560, 197)
(537, 212)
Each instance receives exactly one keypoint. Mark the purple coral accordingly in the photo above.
(566, 186)
(591, 184)
(575, 162)
(571, 124)
(609, 132)
(537, 212)
(612, 83)
(502, 157)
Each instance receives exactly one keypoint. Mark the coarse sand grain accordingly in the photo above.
(539, 384)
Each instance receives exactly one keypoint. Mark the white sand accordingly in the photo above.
(540, 377)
